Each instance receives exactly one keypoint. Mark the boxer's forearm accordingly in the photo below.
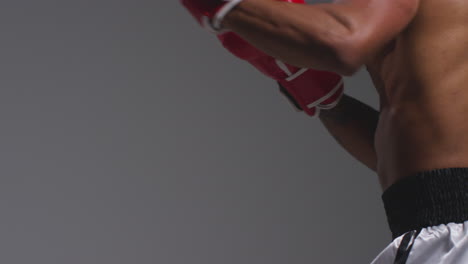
(310, 36)
(353, 125)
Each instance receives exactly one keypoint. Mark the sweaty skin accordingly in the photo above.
(422, 80)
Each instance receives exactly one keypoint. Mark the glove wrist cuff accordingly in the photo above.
(312, 91)
(319, 103)
(222, 12)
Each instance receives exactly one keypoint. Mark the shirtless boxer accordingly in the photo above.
(416, 54)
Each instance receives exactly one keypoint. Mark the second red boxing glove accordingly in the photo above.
(309, 90)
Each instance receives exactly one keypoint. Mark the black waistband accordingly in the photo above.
(427, 199)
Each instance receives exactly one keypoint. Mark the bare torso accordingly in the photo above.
(422, 80)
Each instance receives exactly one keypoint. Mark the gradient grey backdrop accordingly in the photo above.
(128, 135)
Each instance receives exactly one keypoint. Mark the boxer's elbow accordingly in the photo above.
(340, 51)
(331, 44)
(343, 42)
(333, 57)
(348, 66)
(351, 56)
(344, 61)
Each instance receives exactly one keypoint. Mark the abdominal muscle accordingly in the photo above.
(409, 140)
(423, 122)
(422, 80)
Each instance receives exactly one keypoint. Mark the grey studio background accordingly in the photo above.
(128, 135)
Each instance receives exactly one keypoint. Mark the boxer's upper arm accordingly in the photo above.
(371, 23)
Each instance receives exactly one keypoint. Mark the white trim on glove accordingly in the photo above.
(219, 16)
(317, 104)
(325, 97)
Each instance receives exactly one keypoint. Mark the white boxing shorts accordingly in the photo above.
(428, 217)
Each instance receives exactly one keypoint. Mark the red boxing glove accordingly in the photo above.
(309, 90)
(210, 13)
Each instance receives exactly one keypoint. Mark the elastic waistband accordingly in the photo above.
(427, 199)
